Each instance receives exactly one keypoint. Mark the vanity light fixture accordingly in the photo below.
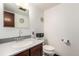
(22, 6)
(23, 9)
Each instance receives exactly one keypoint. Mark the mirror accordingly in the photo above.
(21, 15)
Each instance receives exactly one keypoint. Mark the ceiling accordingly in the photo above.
(44, 6)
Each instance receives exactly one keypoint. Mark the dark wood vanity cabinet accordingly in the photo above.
(34, 51)
(8, 19)
(24, 53)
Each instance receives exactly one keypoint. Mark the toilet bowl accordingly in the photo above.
(48, 49)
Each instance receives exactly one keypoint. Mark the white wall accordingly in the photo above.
(35, 15)
(10, 32)
(61, 22)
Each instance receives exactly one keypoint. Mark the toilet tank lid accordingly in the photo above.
(48, 47)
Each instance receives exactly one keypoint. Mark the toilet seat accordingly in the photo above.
(48, 49)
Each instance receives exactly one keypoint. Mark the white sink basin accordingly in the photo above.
(22, 44)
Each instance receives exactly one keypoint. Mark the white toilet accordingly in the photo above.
(48, 50)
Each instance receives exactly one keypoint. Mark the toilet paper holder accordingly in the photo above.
(67, 42)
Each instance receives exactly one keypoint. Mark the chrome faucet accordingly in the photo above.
(19, 37)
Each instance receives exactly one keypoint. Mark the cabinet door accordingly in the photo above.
(8, 19)
(24, 53)
(36, 51)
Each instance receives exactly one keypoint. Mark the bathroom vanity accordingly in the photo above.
(26, 47)
(34, 51)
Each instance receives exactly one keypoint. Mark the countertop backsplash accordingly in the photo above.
(5, 40)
